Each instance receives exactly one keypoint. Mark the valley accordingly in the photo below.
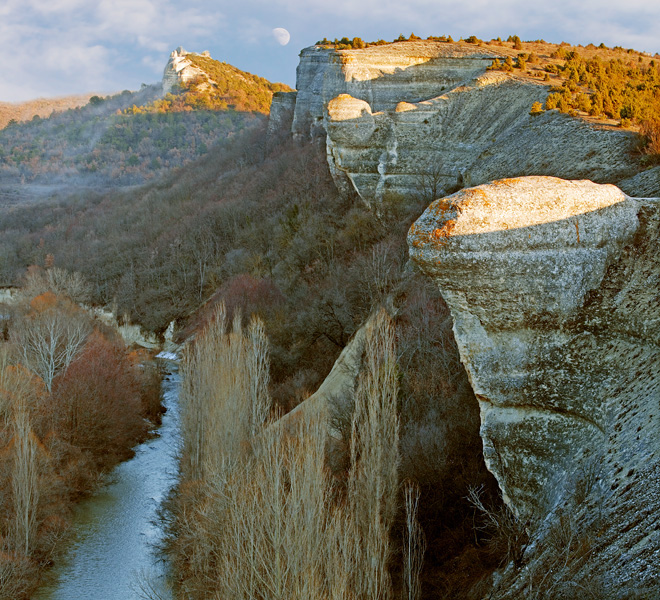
(416, 303)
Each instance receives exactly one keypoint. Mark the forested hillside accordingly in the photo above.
(134, 137)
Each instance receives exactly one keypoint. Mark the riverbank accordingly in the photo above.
(72, 437)
(115, 531)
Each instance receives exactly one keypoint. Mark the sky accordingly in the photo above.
(64, 47)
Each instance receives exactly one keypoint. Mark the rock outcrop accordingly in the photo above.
(281, 113)
(426, 118)
(180, 70)
(338, 389)
(554, 287)
(382, 76)
(477, 132)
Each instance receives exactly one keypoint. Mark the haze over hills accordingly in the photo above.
(42, 107)
(131, 137)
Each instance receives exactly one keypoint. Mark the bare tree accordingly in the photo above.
(25, 480)
(60, 282)
(225, 390)
(414, 545)
(429, 178)
(373, 476)
(49, 339)
(266, 520)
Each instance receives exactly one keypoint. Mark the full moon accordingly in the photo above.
(281, 36)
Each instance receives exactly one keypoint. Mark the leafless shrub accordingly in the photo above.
(650, 132)
(429, 178)
(150, 586)
(414, 545)
(506, 533)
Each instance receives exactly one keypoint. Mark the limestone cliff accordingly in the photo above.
(472, 134)
(425, 118)
(281, 113)
(554, 287)
(382, 76)
(180, 70)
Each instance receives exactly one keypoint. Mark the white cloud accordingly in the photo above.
(119, 43)
(62, 46)
(146, 42)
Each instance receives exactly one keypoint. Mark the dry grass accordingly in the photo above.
(258, 514)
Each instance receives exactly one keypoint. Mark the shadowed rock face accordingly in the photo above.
(281, 113)
(554, 287)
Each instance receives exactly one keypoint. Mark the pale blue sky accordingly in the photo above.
(61, 47)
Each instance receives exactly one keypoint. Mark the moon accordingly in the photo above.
(281, 35)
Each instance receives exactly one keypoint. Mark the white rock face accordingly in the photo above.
(180, 70)
(645, 184)
(474, 133)
(380, 75)
(421, 119)
(554, 287)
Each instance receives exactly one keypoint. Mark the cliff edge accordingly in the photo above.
(420, 119)
(554, 287)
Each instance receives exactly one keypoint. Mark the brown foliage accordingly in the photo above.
(96, 403)
(650, 132)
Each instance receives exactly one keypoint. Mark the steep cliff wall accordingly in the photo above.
(281, 113)
(475, 133)
(554, 288)
(425, 118)
(379, 75)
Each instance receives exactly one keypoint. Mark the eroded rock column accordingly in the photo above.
(554, 287)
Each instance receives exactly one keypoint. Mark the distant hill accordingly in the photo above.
(42, 107)
(199, 81)
(132, 137)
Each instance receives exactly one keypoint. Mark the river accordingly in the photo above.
(112, 554)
